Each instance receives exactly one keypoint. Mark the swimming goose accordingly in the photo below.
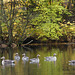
(72, 61)
(51, 58)
(7, 62)
(35, 60)
(17, 57)
(25, 58)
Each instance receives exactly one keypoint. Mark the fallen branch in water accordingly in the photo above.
(29, 42)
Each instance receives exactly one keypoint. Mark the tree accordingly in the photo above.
(39, 19)
(7, 20)
(16, 22)
(47, 19)
(0, 20)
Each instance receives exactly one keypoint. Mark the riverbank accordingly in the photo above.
(34, 44)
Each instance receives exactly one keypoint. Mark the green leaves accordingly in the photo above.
(39, 16)
(3, 24)
(48, 18)
(17, 21)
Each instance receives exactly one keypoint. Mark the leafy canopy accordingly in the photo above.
(47, 17)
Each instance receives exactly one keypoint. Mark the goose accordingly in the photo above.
(72, 61)
(17, 57)
(7, 62)
(25, 58)
(51, 58)
(35, 60)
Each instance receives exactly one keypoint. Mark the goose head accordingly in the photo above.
(3, 58)
(38, 55)
(54, 54)
(16, 54)
(23, 54)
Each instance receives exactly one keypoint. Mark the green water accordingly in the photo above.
(65, 53)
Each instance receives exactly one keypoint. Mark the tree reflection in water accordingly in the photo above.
(61, 66)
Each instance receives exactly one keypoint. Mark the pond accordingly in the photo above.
(61, 66)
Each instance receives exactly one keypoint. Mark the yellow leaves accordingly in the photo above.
(17, 15)
(37, 7)
(71, 28)
(14, 33)
(72, 4)
(8, 15)
(66, 25)
(61, 24)
(20, 10)
(21, 13)
(15, 23)
(20, 18)
(28, 33)
(29, 4)
(6, 10)
(4, 29)
(68, 22)
(26, 2)
(64, 20)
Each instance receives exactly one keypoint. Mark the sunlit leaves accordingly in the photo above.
(48, 19)
(40, 15)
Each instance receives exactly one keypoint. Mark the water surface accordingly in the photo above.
(65, 53)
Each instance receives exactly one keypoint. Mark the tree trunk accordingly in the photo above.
(1, 21)
(0, 33)
(10, 28)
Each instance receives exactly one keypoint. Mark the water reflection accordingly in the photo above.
(73, 64)
(61, 66)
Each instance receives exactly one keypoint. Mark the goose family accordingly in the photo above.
(7, 62)
(51, 58)
(33, 60)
